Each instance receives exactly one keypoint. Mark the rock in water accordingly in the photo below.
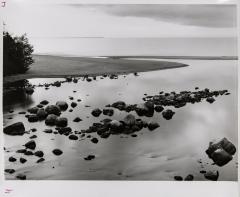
(39, 153)
(22, 160)
(77, 119)
(73, 104)
(221, 152)
(61, 122)
(57, 152)
(32, 118)
(130, 120)
(153, 125)
(21, 177)
(30, 145)
(119, 105)
(29, 90)
(62, 105)
(178, 178)
(33, 110)
(40, 160)
(108, 112)
(94, 140)
(53, 109)
(41, 114)
(12, 159)
(212, 175)
(168, 114)
(15, 129)
(210, 99)
(73, 137)
(44, 102)
(189, 177)
(96, 112)
(51, 120)
(10, 171)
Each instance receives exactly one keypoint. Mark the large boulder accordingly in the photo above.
(116, 126)
(15, 129)
(221, 151)
(145, 109)
(53, 109)
(62, 105)
(29, 90)
(108, 112)
(61, 122)
(51, 120)
(153, 125)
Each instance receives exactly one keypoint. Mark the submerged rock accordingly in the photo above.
(221, 152)
(15, 129)
(44, 102)
(94, 140)
(40, 160)
(62, 105)
(119, 105)
(178, 178)
(159, 108)
(48, 131)
(89, 157)
(73, 104)
(189, 177)
(212, 175)
(210, 99)
(12, 159)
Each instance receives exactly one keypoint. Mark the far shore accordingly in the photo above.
(47, 66)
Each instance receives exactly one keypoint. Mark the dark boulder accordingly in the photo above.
(21, 177)
(168, 114)
(53, 109)
(15, 129)
(51, 120)
(41, 114)
(189, 177)
(94, 140)
(61, 122)
(30, 145)
(33, 137)
(48, 131)
(39, 153)
(33, 110)
(57, 152)
(89, 157)
(73, 104)
(40, 160)
(29, 90)
(32, 118)
(119, 105)
(44, 102)
(221, 152)
(96, 112)
(57, 83)
(10, 171)
(108, 112)
(210, 99)
(73, 137)
(12, 159)
(77, 119)
(212, 175)
(158, 108)
(62, 105)
(153, 125)
(28, 153)
(64, 130)
(130, 120)
(178, 178)
(22, 160)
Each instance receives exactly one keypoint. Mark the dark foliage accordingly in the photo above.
(17, 54)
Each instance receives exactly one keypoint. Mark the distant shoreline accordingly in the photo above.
(47, 66)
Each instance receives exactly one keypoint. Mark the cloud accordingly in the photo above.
(193, 15)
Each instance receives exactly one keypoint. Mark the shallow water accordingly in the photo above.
(173, 149)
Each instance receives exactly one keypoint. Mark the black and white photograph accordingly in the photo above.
(127, 92)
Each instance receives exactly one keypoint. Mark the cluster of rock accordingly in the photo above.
(128, 125)
(221, 152)
(181, 99)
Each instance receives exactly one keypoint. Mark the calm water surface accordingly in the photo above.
(173, 149)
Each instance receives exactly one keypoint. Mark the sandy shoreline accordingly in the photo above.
(57, 66)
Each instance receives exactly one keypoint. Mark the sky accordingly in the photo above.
(71, 19)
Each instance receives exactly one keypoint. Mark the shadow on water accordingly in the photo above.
(14, 95)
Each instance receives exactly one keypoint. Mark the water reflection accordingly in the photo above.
(173, 149)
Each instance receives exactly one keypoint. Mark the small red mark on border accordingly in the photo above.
(3, 4)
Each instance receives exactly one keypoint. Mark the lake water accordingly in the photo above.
(173, 149)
